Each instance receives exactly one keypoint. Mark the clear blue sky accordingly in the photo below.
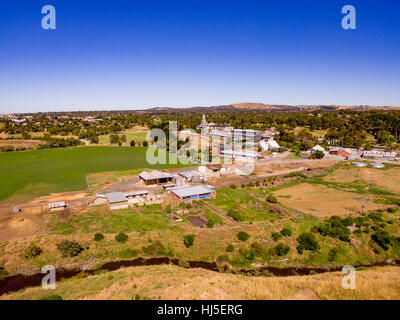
(138, 54)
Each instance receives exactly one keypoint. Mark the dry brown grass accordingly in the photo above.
(321, 201)
(385, 179)
(20, 143)
(171, 282)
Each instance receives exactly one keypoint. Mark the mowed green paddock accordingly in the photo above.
(37, 173)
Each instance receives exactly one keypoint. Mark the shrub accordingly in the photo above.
(232, 186)
(307, 241)
(332, 254)
(243, 236)
(382, 239)
(132, 143)
(247, 254)
(188, 240)
(276, 236)
(271, 199)
(348, 221)
(286, 232)
(376, 216)
(51, 297)
(335, 228)
(235, 215)
(3, 273)
(98, 237)
(155, 249)
(391, 210)
(69, 248)
(281, 249)
(230, 248)
(121, 237)
(259, 250)
(210, 223)
(32, 251)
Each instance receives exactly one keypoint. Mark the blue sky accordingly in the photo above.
(136, 54)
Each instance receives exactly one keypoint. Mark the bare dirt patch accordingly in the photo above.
(321, 201)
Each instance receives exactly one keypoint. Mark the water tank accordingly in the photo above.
(377, 165)
(359, 164)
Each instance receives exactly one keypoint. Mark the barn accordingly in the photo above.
(188, 194)
(155, 177)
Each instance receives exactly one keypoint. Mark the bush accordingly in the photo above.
(132, 143)
(286, 232)
(335, 227)
(98, 237)
(210, 223)
(51, 297)
(188, 240)
(3, 273)
(235, 215)
(69, 248)
(276, 236)
(271, 199)
(32, 251)
(382, 239)
(247, 254)
(332, 254)
(281, 249)
(230, 248)
(155, 249)
(233, 186)
(243, 236)
(307, 241)
(121, 237)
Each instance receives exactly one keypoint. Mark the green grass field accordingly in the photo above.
(25, 175)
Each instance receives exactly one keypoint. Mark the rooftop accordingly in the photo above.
(59, 204)
(154, 175)
(183, 192)
(115, 197)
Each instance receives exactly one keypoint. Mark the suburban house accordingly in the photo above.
(318, 148)
(187, 194)
(155, 177)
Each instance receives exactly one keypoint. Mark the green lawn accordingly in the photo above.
(30, 174)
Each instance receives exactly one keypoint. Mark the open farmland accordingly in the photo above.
(36, 173)
(387, 179)
(321, 201)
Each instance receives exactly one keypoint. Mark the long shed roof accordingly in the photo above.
(183, 192)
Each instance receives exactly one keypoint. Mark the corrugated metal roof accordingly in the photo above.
(115, 197)
(183, 192)
(136, 193)
(154, 175)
